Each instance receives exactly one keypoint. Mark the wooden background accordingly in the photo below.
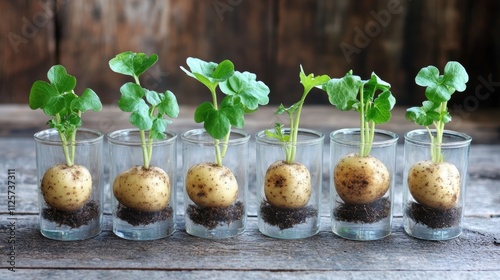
(394, 38)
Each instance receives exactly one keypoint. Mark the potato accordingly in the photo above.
(66, 188)
(211, 185)
(142, 189)
(361, 180)
(436, 185)
(287, 185)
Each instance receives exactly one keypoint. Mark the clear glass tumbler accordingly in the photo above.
(434, 192)
(143, 200)
(70, 191)
(289, 193)
(362, 187)
(215, 197)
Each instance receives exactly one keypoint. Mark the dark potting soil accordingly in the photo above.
(363, 213)
(137, 218)
(285, 218)
(73, 219)
(211, 217)
(434, 218)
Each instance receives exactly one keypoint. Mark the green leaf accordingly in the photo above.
(217, 124)
(60, 79)
(141, 118)
(234, 112)
(88, 101)
(131, 98)
(437, 89)
(373, 85)
(342, 92)
(54, 105)
(40, 92)
(223, 71)
(380, 112)
(309, 81)
(420, 116)
(132, 64)
(455, 76)
(158, 128)
(244, 86)
(202, 111)
(168, 105)
(152, 97)
(278, 133)
(209, 73)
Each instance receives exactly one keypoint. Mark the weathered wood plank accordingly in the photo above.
(477, 249)
(173, 29)
(28, 46)
(57, 274)
(483, 125)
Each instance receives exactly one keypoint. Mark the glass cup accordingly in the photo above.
(294, 212)
(362, 206)
(433, 210)
(212, 211)
(70, 196)
(144, 214)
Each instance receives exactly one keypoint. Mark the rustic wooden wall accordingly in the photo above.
(394, 38)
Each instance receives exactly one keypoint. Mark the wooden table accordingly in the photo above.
(473, 255)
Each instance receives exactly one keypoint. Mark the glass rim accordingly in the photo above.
(113, 137)
(261, 137)
(187, 137)
(393, 137)
(43, 136)
(464, 140)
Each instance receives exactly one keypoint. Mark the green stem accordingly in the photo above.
(362, 124)
(64, 143)
(225, 144)
(145, 154)
(294, 128)
(218, 155)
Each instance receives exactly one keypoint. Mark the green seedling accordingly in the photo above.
(435, 182)
(361, 178)
(242, 94)
(59, 101)
(148, 110)
(287, 182)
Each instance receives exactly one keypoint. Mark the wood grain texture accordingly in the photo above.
(394, 38)
(28, 46)
(473, 255)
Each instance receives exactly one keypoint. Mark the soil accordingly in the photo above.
(285, 218)
(211, 217)
(434, 218)
(363, 213)
(73, 219)
(138, 218)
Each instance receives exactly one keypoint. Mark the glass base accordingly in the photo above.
(303, 230)
(220, 231)
(362, 231)
(421, 231)
(151, 231)
(66, 233)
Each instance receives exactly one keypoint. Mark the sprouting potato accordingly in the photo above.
(66, 188)
(360, 180)
(211, 185)
(435, 185)
(287, 185)
(143, 189)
